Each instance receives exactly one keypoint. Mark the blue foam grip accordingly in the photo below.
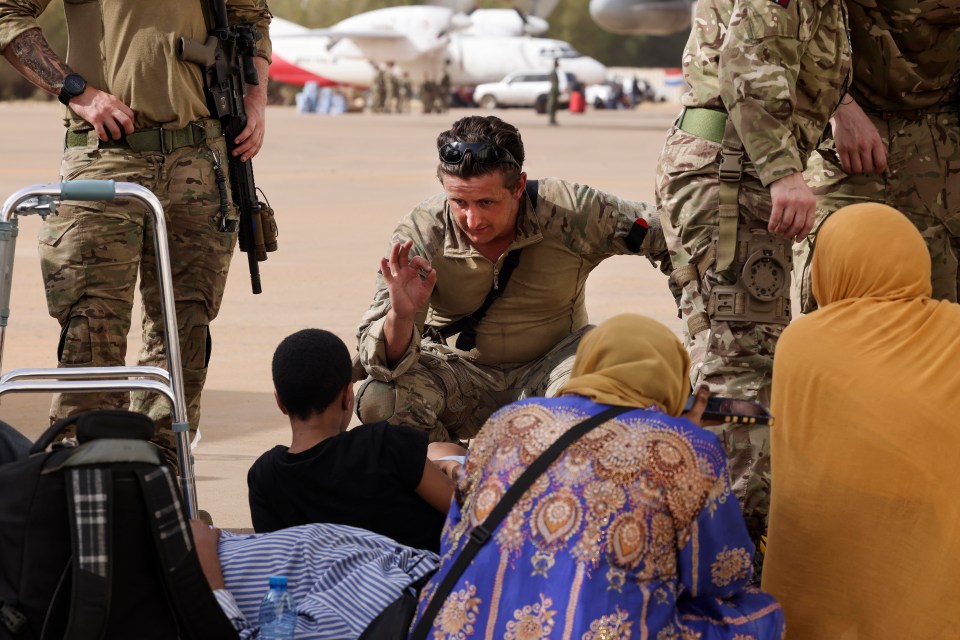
(88, 190)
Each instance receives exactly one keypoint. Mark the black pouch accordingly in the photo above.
(393, 623)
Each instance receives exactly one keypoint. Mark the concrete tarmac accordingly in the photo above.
(338, 184)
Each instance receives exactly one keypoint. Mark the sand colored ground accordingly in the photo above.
(338, 185)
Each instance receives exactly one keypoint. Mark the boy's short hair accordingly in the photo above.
(310, 369)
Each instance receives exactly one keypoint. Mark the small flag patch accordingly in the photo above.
(782, 3)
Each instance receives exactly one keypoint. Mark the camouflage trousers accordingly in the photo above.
(451, 397)
(735, 359)
(91, 252)
(922, 181)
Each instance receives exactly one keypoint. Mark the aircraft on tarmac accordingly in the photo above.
(476, 46)
(642, 17)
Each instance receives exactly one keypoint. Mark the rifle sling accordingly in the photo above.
(467, 325)
(483, 531)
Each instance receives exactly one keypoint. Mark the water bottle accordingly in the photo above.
(278, 613)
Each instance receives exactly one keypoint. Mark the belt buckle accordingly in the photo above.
(731, 165)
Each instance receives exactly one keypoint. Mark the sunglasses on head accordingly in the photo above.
(482, 152)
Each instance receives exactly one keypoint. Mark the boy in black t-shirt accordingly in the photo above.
(376, 476)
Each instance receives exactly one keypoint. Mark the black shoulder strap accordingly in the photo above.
(200, 616)
(482, 532)
(533, 191)
(467, 325)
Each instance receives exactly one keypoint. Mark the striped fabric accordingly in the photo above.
(91, 506)
(341, 577)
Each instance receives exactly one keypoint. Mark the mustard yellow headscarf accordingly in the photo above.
(632, 361)
(864, 538)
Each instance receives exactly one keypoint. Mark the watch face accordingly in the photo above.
(74, 84)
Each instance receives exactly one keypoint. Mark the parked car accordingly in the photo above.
(523, 89)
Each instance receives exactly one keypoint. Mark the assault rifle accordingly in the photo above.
(227, 62)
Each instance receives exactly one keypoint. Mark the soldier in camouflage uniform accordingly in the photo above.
(378, 97)
(392, 98)
(141, 117)
(431, 369)
(765, 75)
(895, 138)
(428, 94)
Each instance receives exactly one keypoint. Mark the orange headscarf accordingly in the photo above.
(632, 361)
(864, 538)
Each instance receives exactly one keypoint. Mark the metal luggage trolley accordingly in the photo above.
(39, 198)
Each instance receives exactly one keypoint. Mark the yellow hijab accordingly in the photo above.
(864, 537)
(633, 361)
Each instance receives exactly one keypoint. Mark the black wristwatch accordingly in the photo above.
(73, 85)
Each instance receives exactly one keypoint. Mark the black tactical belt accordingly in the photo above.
(159, 139)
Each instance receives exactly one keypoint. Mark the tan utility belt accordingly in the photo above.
(157, 139)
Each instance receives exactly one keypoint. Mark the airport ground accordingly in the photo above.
(339, 184)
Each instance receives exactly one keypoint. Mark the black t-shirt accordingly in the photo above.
(365, 477)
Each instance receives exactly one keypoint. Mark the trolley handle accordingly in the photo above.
(88, 190)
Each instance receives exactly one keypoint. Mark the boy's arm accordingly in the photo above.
(441, 452)
(435, 487)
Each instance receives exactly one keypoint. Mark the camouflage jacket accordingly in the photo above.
(129, 49)
(778, 67)
(573, 228)
(906, 53)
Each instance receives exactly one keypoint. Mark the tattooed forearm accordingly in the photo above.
(31, 55)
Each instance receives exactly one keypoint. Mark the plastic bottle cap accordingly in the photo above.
(278, 581)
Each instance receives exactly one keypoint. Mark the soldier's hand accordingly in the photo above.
(859, 145)
(110, 117)
(250, 139)
(794, 207)
(408, 289)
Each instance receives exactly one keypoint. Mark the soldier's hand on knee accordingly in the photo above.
(794, 207)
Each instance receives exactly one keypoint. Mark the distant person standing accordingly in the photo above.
(554, 96)
(764, 78)
(379, 90)
(406, 93)
(443, 90)
(428, 93)
(895, 138)
(393, 90)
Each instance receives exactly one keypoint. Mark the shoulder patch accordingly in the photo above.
(782, 3)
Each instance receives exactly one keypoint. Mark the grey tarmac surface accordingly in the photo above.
(338, 185)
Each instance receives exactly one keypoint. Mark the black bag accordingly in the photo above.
(95, 543)
(393, 623)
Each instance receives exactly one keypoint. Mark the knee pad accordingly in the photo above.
(376, 401)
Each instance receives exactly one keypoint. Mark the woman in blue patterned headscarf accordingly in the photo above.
(631, 533)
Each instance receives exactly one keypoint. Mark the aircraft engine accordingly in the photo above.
(642, 17)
